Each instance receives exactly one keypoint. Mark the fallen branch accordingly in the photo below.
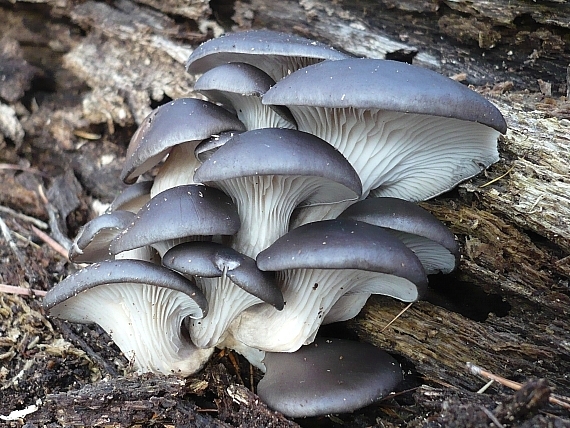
(14, 289)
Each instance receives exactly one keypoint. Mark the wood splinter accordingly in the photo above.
(476, 370)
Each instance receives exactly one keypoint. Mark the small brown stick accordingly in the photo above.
(38, 223)
(51, 242)
(491, 416)
(235, 364)
(13, 167)
(494, 180)
(553, 399)
(13, 289)
(397, 316)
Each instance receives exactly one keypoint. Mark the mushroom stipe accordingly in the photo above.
(279, 210)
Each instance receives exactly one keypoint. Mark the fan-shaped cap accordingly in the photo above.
(179, 212)
(273, 151)
(327, 376)
(132, 198)
(343, 244)
(93, 239)
(142, 306)
(120, 272)
(207, 147)
(179, 121)
(382, 84)
(418, 229)
(275, 53)
(210, 259)
(229, 83)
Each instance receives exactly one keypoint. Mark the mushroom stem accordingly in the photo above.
(178, 169)
(225, 302)
(265, 204)
(309, 294)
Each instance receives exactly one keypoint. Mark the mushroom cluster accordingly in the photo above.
(279, 205)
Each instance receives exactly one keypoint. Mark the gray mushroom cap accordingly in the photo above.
(231, 283)
(268, 172)
(408, 132)
(180, 212)
(234, 84)
(142, 306)
(275, 53)
(132, 198)
(316, 265)
(179, 121)
(382, 84)
(118, 272)
(210, 259)
(343, 244)
(416, 227)
(93, 239)
(273, 151)
(207, 147)
(328, 376)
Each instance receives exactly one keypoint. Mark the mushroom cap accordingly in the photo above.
(261, 48)
(327, 376)
(207, 147)
(180, 212)
(210, 259)
(274, 151)
(132, 198)
(244, 80)
(364, 83)
(93, 239)
(120, 272)
(413, 223)
(343, 244)
(179, 121)
(142, 306)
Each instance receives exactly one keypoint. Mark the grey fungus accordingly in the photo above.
(177, 215)
(93, 239)
(409, 132)
(328, 376)
(132, 198)
(239, 87)
(425, 235)
(236, 241)
(318, 263)
(269, 172)
(277, 54)
(230, 281)
(145, 306)
(185, 120)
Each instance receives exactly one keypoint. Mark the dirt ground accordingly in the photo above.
(58, 167)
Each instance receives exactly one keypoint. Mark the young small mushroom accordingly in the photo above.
(268, 172)
(316, 264)
(132, 198)
(230, 281)
(93, 239)
(239, 87)
(409, 132)
(175, 128)
(425, 235)
(277, 54)
(142, 306)
(179, 214)
(328, 376)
